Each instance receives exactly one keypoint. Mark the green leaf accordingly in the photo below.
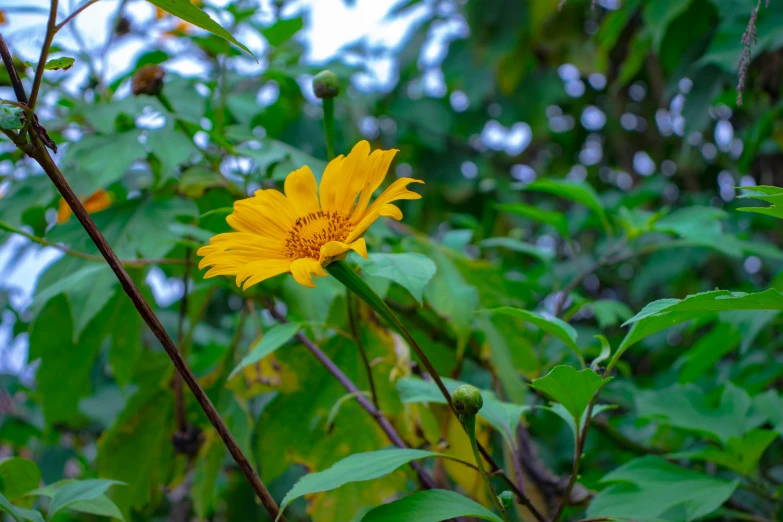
(282, 30)
(10, 118)
(651, 487)
(190, 13)
(63, 376)
(56, 64)
(101, 506)
(209, 464)
(80, 491)
(411, 271)
(17, 513)
(707, 351)
(433, 505)
(687, 408)
(89, 288)
(581, 193)
(556, 220)
(741, 454)
(503, 416)
(609, 312)
(768, 194)
(571, 388)
(658, 14)
(559, 410)
(500, 350)
(18, 476)
(137, 448)
(768, 407)
(356, 468)
(451, 296)
(276, 337)
(554, 326)
(665, 313)
(542, 254)
(103, 160)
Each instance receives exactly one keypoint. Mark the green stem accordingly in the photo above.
(328, 104)
(469, 421)
(343, 273)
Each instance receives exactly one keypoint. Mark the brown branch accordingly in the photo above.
(37, 151)
(41, 155)
(51, 29)
(8, 61)
(360, 346)
(349, 385)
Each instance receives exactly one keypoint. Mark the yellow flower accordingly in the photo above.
(305, 229)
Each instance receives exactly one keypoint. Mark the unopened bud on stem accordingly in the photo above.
(467, 400)
(326, 85)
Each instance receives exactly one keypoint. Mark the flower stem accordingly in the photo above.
(328, 104)
(351, 280)
(469, 421)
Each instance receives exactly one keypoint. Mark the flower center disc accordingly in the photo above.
(313, 231)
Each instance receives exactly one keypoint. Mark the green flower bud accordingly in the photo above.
(326, 84)
(506, 499)
(467, 400)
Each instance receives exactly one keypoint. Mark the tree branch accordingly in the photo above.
(16, 83)
(38, 152)
(51, 29)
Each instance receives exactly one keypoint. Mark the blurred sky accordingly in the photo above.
(330, 25)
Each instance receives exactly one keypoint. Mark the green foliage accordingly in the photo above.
(651, 487)
(573, 389)
(593, 251)
(356, 468)
(430, 506)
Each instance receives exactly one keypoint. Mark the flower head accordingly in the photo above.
(308, 227)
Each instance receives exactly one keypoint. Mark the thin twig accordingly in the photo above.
(349, 385)
(360, 345)
(179, 396)
(8, 61)
(51, 29)
(84, 6)
(133, 263)
(579, 445)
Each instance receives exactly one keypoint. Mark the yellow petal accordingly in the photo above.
(337, 248)
(349, 182)
(258, 271)
(376, 169)
(301, 191)
(395, 191)
(303, 270)
(381, 207)
(329, 183)
(390, 211)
